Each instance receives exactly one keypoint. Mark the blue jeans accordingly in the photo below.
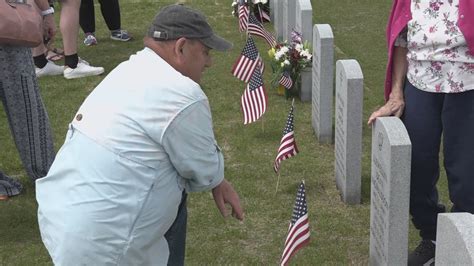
(176, 235)
(427, 117)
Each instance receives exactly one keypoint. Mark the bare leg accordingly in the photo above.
(39, 50)
(69, 25)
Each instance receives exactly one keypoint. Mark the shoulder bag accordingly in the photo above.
(21, 23)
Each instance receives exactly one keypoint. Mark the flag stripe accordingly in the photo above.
(298, 231)
(248, 61)
(243, 17)
(254, 98)
(244, 68)
(253, 104)
(297, 228)
(256, 28)
(301, 243)
(286, 80)
(287, 146)
(298, 238)
(263, 14)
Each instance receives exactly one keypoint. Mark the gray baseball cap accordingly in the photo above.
(176, 21)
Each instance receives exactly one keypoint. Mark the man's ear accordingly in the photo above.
(179, 46)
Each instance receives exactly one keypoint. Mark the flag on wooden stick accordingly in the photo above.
(247, 62)
(254, 99)
(243, 16)
(254, 27)
(288, 146)
(298, 232)
(263, 14)
(286, 80)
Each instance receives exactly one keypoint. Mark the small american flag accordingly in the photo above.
(256, 28)
(286, 80)
(254, 99)
(263, 14)
(261, 64)
(247, 62)
(243, 16)
(298, 232)
(287, 147)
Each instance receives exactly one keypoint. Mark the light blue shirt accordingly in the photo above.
(142, 136)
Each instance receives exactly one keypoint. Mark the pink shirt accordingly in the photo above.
(399, 18)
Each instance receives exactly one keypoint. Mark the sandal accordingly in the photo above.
(54, 54)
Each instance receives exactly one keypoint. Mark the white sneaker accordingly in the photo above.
(50, 69)
(82, 70)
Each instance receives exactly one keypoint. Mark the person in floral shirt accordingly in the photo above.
(430, 85)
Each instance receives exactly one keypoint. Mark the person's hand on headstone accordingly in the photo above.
(224, 194)
(393, 107)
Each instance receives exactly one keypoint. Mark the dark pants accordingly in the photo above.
(110, 11)
(428, 116)
(176, 235)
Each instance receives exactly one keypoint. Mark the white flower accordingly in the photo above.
(233, 13)
(286, 62)
(284, 49)
(278, 55)
(305, 53)
(299, 47)
(282, 64)
(263, 1)
(234, 3)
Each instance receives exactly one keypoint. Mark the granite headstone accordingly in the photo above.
(289, 18)
(305, 89)
(389, 192)
(348, 137)
(304, 19)
(323, 80)
(284, 21)
(271, 4)
(455, 239)
(277, 18)
(303, 24)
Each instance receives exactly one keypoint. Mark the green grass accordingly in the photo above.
(340, 233)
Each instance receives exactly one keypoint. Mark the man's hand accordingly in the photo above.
(394, 106)
(49, 27)
(225, 193)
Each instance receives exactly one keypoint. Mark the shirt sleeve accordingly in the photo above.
(190, 144)
(402, 39)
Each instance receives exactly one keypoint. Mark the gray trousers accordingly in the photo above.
(29, 122)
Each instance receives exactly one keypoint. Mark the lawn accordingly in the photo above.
(339, 233)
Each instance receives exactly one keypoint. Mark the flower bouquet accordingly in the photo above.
(287, 61)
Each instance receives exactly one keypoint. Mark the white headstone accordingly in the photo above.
(323, 80)
(271, 4)
(285, 20)
(455, 239)
(348, 139)
(277, 18)
(304, 19)
(289, 23)
(389, 192)
(303, 24)
(305, 89)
